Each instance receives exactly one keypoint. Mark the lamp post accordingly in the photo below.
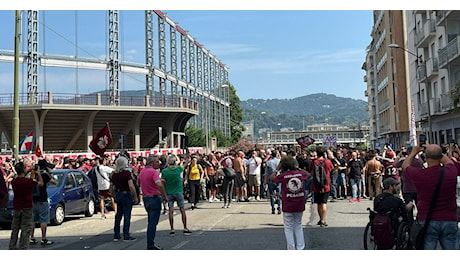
(420, 62)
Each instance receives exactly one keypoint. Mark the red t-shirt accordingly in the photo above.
(328, 167)
(292, 190)
(425, 181)
(23, 195)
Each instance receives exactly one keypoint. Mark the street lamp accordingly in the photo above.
(428, 91)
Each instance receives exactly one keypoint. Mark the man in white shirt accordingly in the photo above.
(253, 170)
(104, 173)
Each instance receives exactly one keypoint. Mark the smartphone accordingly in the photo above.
(422, 139)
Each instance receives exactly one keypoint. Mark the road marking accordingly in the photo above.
(183, 243)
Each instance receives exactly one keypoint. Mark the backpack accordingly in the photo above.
(229, 173)
(383, 231)
(319, 176)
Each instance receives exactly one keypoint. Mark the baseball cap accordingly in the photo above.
(388, 182)
(390, 155)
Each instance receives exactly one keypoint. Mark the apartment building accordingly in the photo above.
(387, 86)
(433, 36)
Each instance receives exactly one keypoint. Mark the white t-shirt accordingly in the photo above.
(103, 182)
(254, 166)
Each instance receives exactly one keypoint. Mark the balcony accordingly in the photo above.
(424, 109)
(446, 102)
(442, 15)
(435, 105)
(432, 67)
(421, 72)
(425, 34)
(365, 78)
(450, 53)
(365, 93)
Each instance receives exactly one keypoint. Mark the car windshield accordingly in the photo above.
(59, 177)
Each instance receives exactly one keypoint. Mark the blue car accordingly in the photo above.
(72, 194)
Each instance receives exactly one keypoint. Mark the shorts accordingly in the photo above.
(320, 198)
(211, 184)
(105, 193)
(41, 212)
(239, 182)
(179, 198)
(254, 180)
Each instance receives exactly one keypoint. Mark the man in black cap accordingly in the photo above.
(388, 200)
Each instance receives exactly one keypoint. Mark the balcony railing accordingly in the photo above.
(449, 52)
(446, 102)
(428, 28)
(97, 100)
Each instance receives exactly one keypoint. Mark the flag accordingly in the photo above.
(38, 152)
(26, 145)
(305, 141)
(413, 129)
(101, 141)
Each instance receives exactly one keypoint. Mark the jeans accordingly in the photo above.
(355, 186)
(334, 178)
(124, 206)
(22, 220)
(307, 188)
(293, 230)
(153, 207)
(446, 232)
(228, 190)
(272, 188)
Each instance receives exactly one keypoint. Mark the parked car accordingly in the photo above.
(72, 194)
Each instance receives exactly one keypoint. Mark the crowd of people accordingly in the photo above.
(159, 182)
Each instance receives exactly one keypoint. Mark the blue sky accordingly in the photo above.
(270, 53)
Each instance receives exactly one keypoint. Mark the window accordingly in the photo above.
(69, 182)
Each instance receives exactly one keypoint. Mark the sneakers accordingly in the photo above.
(352, 200)
(187, 232)
(216, 200)
(273, 211)
(172, 233)
(129, 239)
(323, 224)
(258, 198)
(224, 206)
(156, 247)
(279, 210)
(32, 241)
(210, 200)
(116, 239)
(46, 242)
(359, 199)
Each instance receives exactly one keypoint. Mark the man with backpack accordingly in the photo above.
(321, 184)
(389, 208)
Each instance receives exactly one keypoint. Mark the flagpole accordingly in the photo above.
(17, 38)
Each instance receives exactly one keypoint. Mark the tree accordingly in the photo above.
(236, 116)
(222, 140)
(196, 136)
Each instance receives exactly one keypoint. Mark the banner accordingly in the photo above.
(305, 141)
(330, 140)
(26, 145)
(101, 141)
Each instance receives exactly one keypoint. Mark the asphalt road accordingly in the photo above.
(243, 226)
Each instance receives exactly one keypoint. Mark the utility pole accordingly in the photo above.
(17, 39)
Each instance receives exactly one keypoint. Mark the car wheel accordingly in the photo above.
(59, 215)
(90, 208)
